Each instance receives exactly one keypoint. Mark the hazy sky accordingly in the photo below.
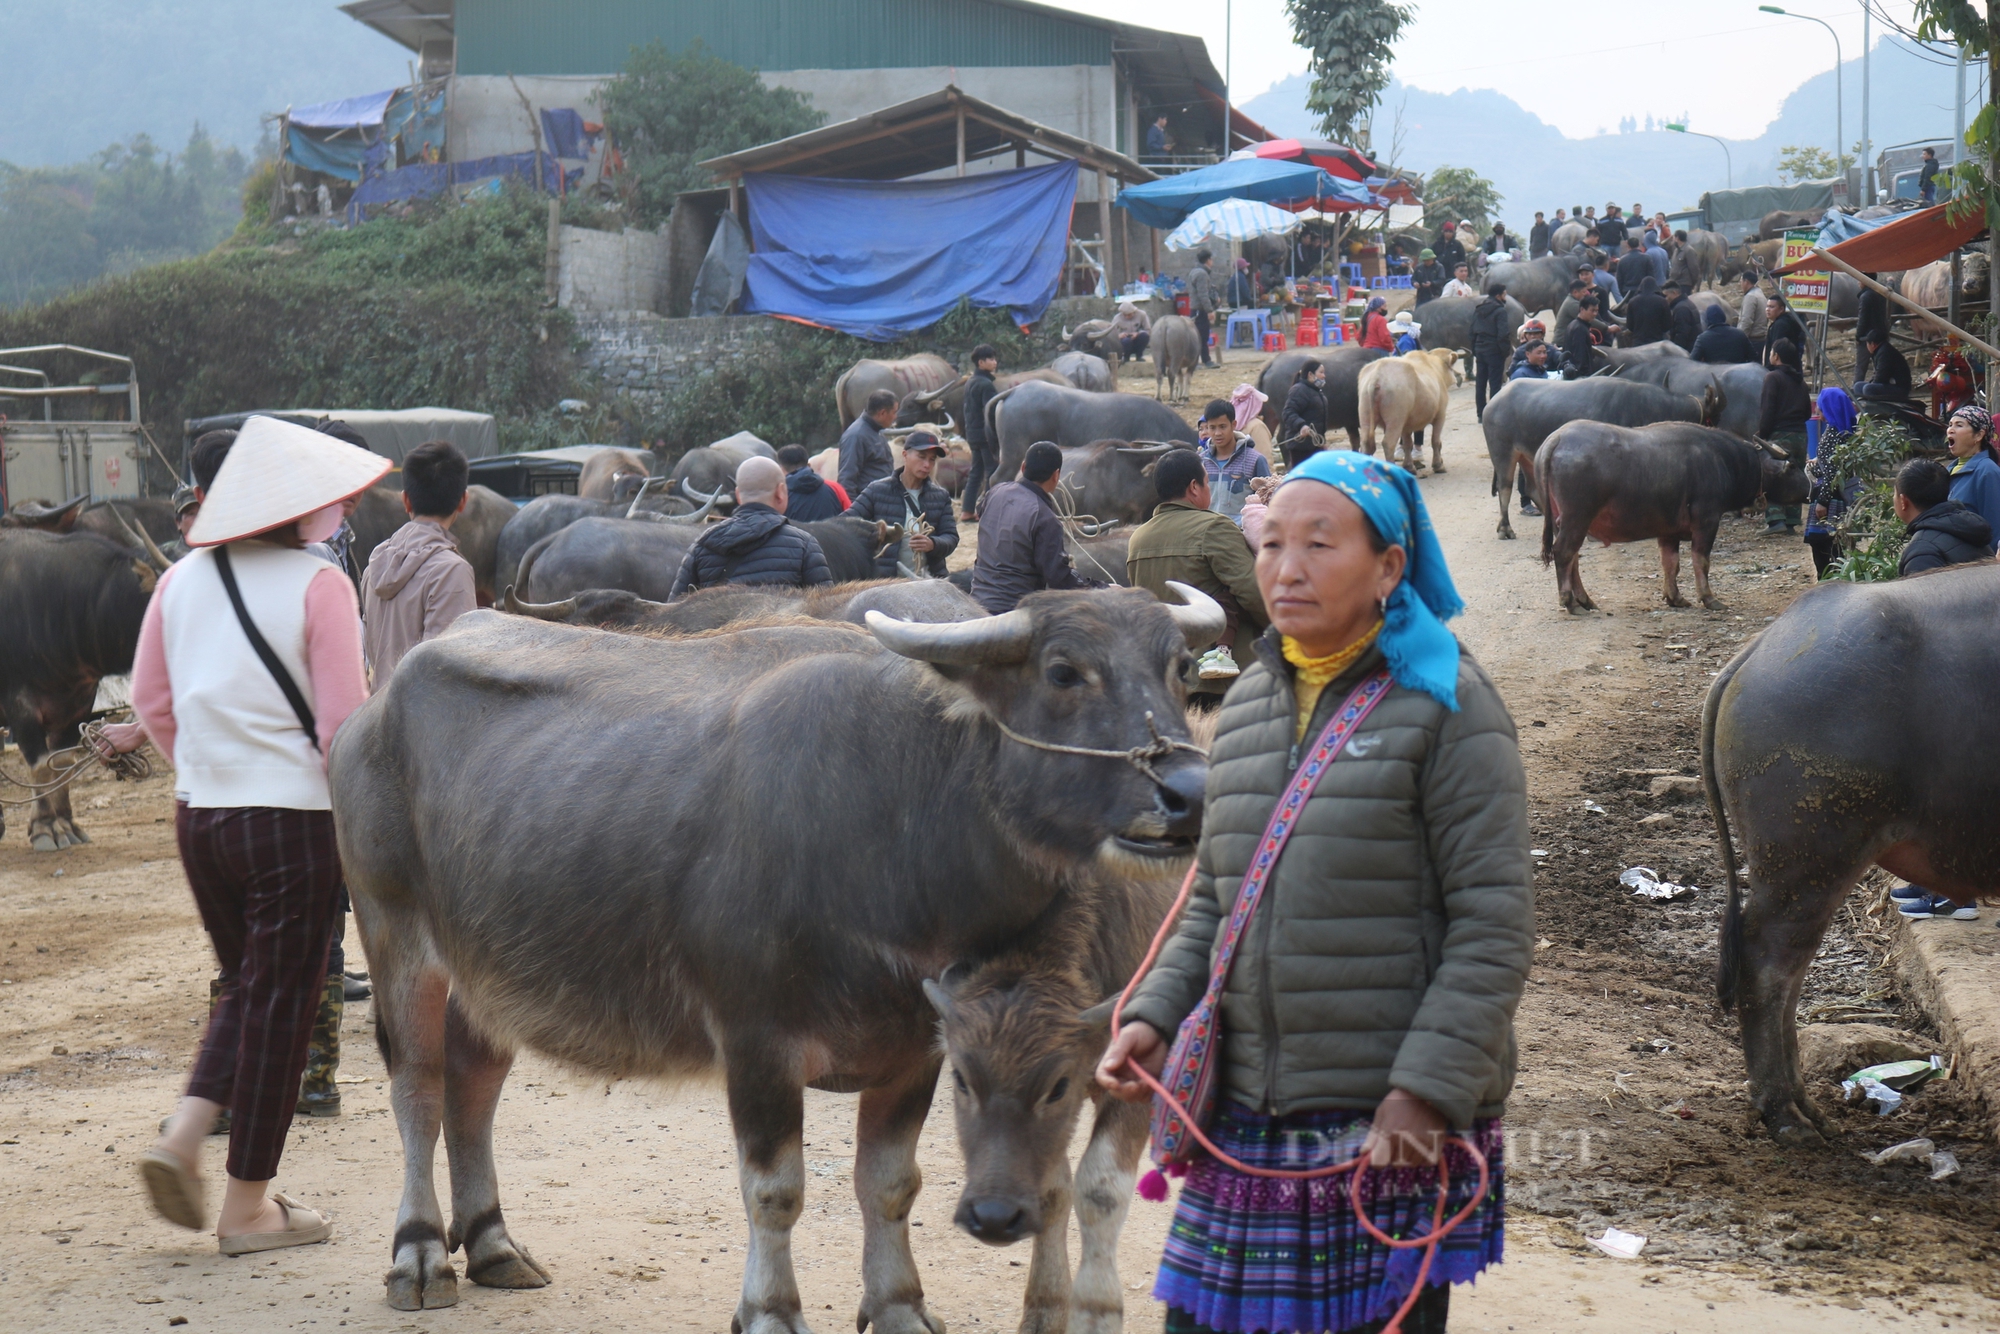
(1721, 61)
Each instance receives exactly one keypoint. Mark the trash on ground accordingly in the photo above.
(1678, 1108)
(1619, 1245)
(1909, 1149)
(1886, 1099)
(1538, 852)
(1943, 1164)
(1594, 808)
(1885, 1085)
(1645, 883)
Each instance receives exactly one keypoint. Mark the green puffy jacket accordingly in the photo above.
(1394, 939)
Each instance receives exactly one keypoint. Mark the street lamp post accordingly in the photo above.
(1728, 164)
(1839, 113)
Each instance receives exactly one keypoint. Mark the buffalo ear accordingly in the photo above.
(939, 998)
(1099, 1015)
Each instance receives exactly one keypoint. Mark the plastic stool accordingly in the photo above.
(1378, 284)
(1334, 330)
(1401, 283)
(1273, 342)
(1257, 321)
(1352, 272)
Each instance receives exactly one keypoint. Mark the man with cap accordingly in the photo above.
(980, 391)
(248, 718)
(1021, 547)
(1133, 328)
(1241, 291)
(910, 500)
(1429, 276)
(757, 544)
(1492, 340)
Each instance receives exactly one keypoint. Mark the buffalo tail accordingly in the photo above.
(1548, 522)
(1729, 967)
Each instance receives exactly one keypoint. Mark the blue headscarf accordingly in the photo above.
(1836, 409)
(1421, 653)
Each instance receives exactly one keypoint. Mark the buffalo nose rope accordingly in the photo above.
(1441, 1226)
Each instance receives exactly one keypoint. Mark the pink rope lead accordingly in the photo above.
(1441, 1227)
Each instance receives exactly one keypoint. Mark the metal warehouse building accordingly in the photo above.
(1098, 80)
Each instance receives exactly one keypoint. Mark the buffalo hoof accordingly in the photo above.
(1796, 1122)
(507, 1265)
(1505, 531)
(1439, 469)
(1044, 1315)
(1097, 1320)
(53, 833)
(1714, 604)
(897, 1318)
(424, 1281)
(1678, 601)
(747, 1321)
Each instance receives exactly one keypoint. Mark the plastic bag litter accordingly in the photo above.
(1903, 1075)
(1908, 1149)
(1943, 1164)
(1594, 808)
(1645, 883)
(1886, 1099)
(1619, 1245)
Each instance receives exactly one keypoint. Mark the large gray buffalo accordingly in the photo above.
(702, 472)
(765, 896)
(1109, 481)
(1073, 417)
(643, 557)
(1905, 782)
(946, 406)
(1526, 412)
(1094, 337)
(1538, 284)
(1447, 322)
(545, 515)
(1710, 250)
(1176, 351)
(1671, 482)
(1086, 371)
(935, 600)
(1567, 238)
(1343, 369)
(909, 375)
(1740, 387)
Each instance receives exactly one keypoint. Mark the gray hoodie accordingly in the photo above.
(416, 585)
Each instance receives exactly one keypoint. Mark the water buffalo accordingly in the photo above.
(1094, 337)
(1779, 221)
(1086, 371)
(945, 406)
(1709, 252)
(545, 515)
(1567, 238)
(1538, 284)
(1665, 349)
(1930, 286)
(1176, 351)
(70, 607)
(379, 511)
(909, 375)
(675, 940)
(935, 600)
(1447, 322)
(1343, 370)
(1671, 482)
(1739, 387)
(1074, 417)
(601, 471)
(1102, 557)
(1904, 782)
(643, 557)
(1400, 397)
(1525, 412)
(1109, 481)
(113, 520)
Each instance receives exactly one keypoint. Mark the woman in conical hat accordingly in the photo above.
(249, 660)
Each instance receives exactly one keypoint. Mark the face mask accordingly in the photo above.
(321, 524)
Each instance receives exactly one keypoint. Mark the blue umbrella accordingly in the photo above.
(1166, 203)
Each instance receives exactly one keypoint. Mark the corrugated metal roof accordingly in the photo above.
(554, 37)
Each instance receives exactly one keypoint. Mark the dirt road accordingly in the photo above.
(1630, 1110)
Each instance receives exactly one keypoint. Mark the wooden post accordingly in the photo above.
(1987, 348)
(552, 260)
(1020, 155)
(1153, 232)
(961, 139)
(1104, 230)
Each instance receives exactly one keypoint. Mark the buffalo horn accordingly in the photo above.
(1199, 616)
(698, 515)
(1066, 333)
(934, 395)
(143, 540)
(949, 425)
(898, 432)
(541, 611)
(693, 494)
(985, 640)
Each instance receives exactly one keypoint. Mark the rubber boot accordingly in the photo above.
(319, 1095)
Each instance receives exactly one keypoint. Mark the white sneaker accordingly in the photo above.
(1218, 665)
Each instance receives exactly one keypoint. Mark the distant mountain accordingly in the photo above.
(82, 74)
(1536, 166)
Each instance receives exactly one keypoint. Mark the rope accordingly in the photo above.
(1141, 758)
(1441, 1226)
(131, 765)
(1072, 522)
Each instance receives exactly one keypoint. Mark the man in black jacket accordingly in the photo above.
(1538, 237)
(1647, 315)
(1579, 344)
(979, 392)
(1611, 230)
(1783, 324)
(1888, 370)
(1634, 266)
(1429, 276)
(1684, 319)
(1021, 548)
(1871, 315)
(1942, 531)
(807, 496)
(1450, 250)
(757, 544)
(1304, 410)
(1491, 341)
(864, 453)
(916, 504)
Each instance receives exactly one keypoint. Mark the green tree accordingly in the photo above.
(1809, 164)
(1349, 41)
(1454, 194)
(668, 113)
(45, 240)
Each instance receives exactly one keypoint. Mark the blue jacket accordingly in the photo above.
(811, 498)
(756, 545)
(1528, 370)
(1975, 483)
(864, 456)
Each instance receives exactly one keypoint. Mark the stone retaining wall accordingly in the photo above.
(647, 356)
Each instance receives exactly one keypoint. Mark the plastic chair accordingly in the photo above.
(1273, 342)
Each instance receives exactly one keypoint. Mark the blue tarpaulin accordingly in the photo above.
(880, 259)
(347, 113)
(1166, 203)
(565, 133)
(421, 180)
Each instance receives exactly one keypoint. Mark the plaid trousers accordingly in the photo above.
(267, 882)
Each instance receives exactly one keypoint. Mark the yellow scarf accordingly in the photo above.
(1315, 674)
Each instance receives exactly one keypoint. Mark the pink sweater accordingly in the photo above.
(333, 655)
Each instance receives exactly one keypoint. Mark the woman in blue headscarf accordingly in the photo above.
(1369, 1007)
(1834, 411)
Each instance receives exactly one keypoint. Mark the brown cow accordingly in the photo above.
(599, 478)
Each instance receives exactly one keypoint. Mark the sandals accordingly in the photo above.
(298, 1232)
(175, 1190)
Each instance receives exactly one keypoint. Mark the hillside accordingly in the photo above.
(1536, 166)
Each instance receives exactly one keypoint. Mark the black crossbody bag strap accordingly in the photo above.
(293, 695)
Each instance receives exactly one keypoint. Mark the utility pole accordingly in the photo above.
(1867, 146)
(1228, 57)
(1839, 110)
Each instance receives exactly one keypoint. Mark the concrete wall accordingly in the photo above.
(484, 116)
(611, 271)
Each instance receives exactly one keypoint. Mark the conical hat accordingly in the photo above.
(276, 473)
